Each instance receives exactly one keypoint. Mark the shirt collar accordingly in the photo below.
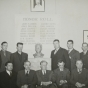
(70, 50)
(57, 49)
(44, 71)
(8, 72)
(26, 71)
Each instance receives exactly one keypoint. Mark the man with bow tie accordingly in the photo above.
(79, 76)
(8, 77)
(45, 77)
(27, 78)
(61, 75)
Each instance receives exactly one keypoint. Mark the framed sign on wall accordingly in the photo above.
(37, 5)
(85, 36)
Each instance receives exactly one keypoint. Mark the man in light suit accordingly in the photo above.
(57, 54)
(84, 55)
(18, 58)
(79, 76)
(8, 77)
(62, 75)
(27, 78)
(45, 77)
(4, 55)
(73, 54)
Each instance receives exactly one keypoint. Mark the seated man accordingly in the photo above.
(27, 78)
(61, 75)
(44, 76)
(79, 76)
(8, 78)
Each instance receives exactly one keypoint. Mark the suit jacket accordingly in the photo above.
(17, 63)
(84, 59)
(7, 81)
(23, 79)
(61, 54)
(4, 59)
(44, 78)
(81, 78)
(74, 55)
(61, 75)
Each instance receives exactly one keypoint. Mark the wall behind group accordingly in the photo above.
(72, 14)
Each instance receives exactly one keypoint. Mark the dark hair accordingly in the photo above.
(7, 63)
(19, 43)
(85, 43)
(3, 42)
(70, 41)
(27, 61)
(60, 61)
(43, 61)
(56, 40)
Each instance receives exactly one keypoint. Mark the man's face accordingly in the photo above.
(70, 45)
(37, 2)
(27, 65)
(38, 49)
(19, 48)
(4, 46)
(9, 67)
(43, 66)
(56, 44)
(61, 65)
(79, 64)
(84, 47)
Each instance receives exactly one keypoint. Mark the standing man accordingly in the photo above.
(27, 78)
(8, 77)
(79, 76)
(5, 55)
(57, 54)
(84, 55)
(73, 54)
(18, 58)
(45, 77)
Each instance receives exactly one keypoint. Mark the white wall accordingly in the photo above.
(73, 16)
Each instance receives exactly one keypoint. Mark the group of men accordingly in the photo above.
(69, 68)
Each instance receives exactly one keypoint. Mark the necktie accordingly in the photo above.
(55, 51)
(10, 73)
(27, 73)
(4, 53)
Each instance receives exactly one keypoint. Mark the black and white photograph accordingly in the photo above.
(43, 43)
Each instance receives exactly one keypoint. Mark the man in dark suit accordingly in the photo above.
(73, 54)
(27, 78)
(18, 58)
(79, 76)
(8, 77)
(84, 55)
(62, 75)
(44, 76)
(4, 55)
(57, 54)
